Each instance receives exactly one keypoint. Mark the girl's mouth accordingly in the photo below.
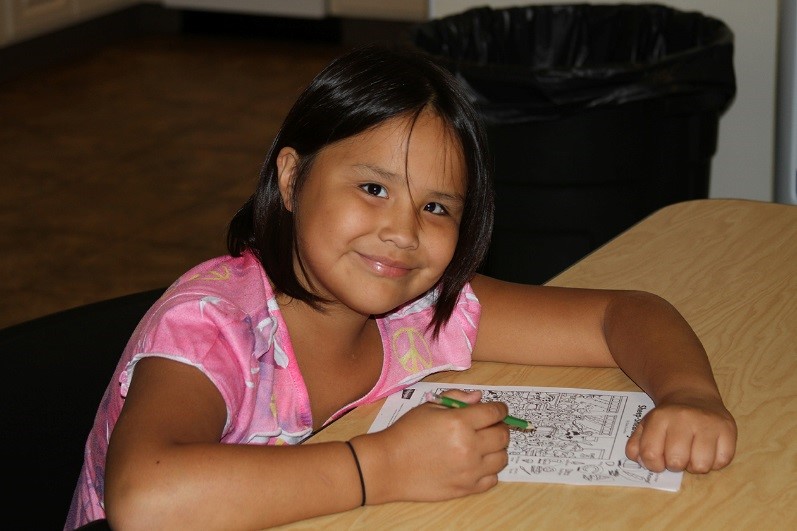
(385, 267)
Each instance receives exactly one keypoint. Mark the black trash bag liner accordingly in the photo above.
(546, 61)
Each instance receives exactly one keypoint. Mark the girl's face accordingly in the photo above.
(378, 216)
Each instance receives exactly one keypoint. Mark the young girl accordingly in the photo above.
(351, 275)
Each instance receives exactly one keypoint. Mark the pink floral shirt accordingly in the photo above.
(222, 317)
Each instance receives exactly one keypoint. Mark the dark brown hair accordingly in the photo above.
(355, 92)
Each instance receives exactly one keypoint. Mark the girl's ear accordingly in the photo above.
(287, 160)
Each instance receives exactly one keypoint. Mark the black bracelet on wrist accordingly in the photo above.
(359, 470)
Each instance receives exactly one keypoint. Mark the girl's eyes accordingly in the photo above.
(435, 208)
(374, 189)
(378, 190)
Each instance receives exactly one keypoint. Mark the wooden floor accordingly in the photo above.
(121, 169)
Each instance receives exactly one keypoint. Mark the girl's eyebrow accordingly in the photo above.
(452, 200)
(377, 170)
(391, 176)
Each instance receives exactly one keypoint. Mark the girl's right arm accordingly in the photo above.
(167, 469)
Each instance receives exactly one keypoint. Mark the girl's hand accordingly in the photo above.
(684, 432)
(435, 453)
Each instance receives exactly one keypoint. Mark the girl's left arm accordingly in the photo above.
(690, 428)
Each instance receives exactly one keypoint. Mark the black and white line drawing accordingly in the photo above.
(579, 438)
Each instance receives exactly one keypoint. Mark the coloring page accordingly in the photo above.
(579, 436)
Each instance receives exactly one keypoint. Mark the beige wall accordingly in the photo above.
(24, 19)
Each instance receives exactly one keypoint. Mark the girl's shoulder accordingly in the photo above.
(466, 301)
(238, 280)
(224, 293)
(419, 312)
(412, 351)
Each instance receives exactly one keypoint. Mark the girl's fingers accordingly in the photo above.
(651, 446)
(469, 397)
(697, 445)
(480, 415)
(632, 446)
(485, 483)
(496, 461)
(680, 449)
(726, 447)
(492, 464)
(711, 453)
(495, 439)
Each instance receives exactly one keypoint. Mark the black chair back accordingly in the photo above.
(56, 369)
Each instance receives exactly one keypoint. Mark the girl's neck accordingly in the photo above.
(339, 353)
(333, 324)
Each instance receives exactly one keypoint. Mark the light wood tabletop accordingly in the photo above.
(730, 266)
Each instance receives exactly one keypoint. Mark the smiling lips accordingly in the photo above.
(386, 267)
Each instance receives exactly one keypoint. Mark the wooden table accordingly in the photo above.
(730, 266)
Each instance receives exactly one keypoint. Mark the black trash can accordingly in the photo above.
(596, 116)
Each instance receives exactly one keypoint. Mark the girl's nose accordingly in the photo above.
(401, 227)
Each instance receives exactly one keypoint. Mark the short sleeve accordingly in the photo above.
(208, 333)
